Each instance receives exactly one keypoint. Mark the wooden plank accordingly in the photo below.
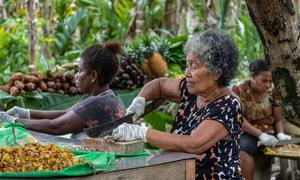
(176, 170)
(103, 145)
(190, 169)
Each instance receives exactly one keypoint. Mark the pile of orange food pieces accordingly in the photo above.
(36, 157)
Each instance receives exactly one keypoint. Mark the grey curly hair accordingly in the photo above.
(218, 51)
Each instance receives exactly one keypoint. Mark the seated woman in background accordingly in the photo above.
(262, 115)
(98, 67)
(209, 118)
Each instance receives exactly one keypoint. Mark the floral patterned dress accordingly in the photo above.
(258, 111)
(222, 160)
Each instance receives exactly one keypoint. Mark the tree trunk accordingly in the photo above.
(45, 12)
(211, 19)
(31, 5)
(140, 18)
(3, 10)
(169, 16)
(277, 25)
(181, 14)
(192, 21)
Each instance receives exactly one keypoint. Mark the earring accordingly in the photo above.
(217, 77)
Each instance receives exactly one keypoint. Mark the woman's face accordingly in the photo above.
(83, 78)
(262, 82)
(199, 79)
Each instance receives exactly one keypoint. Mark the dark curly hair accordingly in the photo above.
(104, 60)
(218, 51)
(258, 66)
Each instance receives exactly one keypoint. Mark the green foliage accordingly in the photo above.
(171, 49)
(78, 24)
(6, 101)
(46, 101)
(159, 120)
(154, 14)
(53, 101)
(63, 9)
(248, 42)
(13, 48)
(36, 100)
(175, 53)
(66, 29)
(107, 20)
(199, 7)
(142, 47)
(224, 4)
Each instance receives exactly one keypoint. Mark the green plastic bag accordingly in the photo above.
(95, 161)
(22, 136)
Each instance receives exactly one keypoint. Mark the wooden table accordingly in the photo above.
(156, 166)
(284, 161)
(177, 166)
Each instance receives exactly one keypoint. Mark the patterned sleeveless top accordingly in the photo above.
(222, 160)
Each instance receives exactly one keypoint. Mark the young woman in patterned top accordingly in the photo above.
(262, 114)
(98, 66)
(209, 118)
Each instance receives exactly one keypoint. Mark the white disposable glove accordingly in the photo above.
(129, 132)
(282, 136)
(19, 112)
(137, 107)
(6, 118)
(267, 140)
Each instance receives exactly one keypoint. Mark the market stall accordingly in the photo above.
(143, 165)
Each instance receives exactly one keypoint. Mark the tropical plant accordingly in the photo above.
(13, 47)
(107, 19)
(66, 29)
(247, 40)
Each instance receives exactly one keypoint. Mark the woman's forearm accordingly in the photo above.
(278, 116)
(203, 138)
(247, 127)
(39, 114)
(278, 127)
(171, 142)
(67, 123)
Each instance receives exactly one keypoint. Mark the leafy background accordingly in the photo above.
(73, 25)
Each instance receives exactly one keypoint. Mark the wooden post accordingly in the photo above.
(190, 172)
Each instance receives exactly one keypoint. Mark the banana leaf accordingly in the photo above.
(127, 95)
(53, 101)
(6, 100)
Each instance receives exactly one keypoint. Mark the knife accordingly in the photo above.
(107, 128)
(288, 141)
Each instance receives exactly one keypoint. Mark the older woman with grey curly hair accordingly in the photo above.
(208, 122)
